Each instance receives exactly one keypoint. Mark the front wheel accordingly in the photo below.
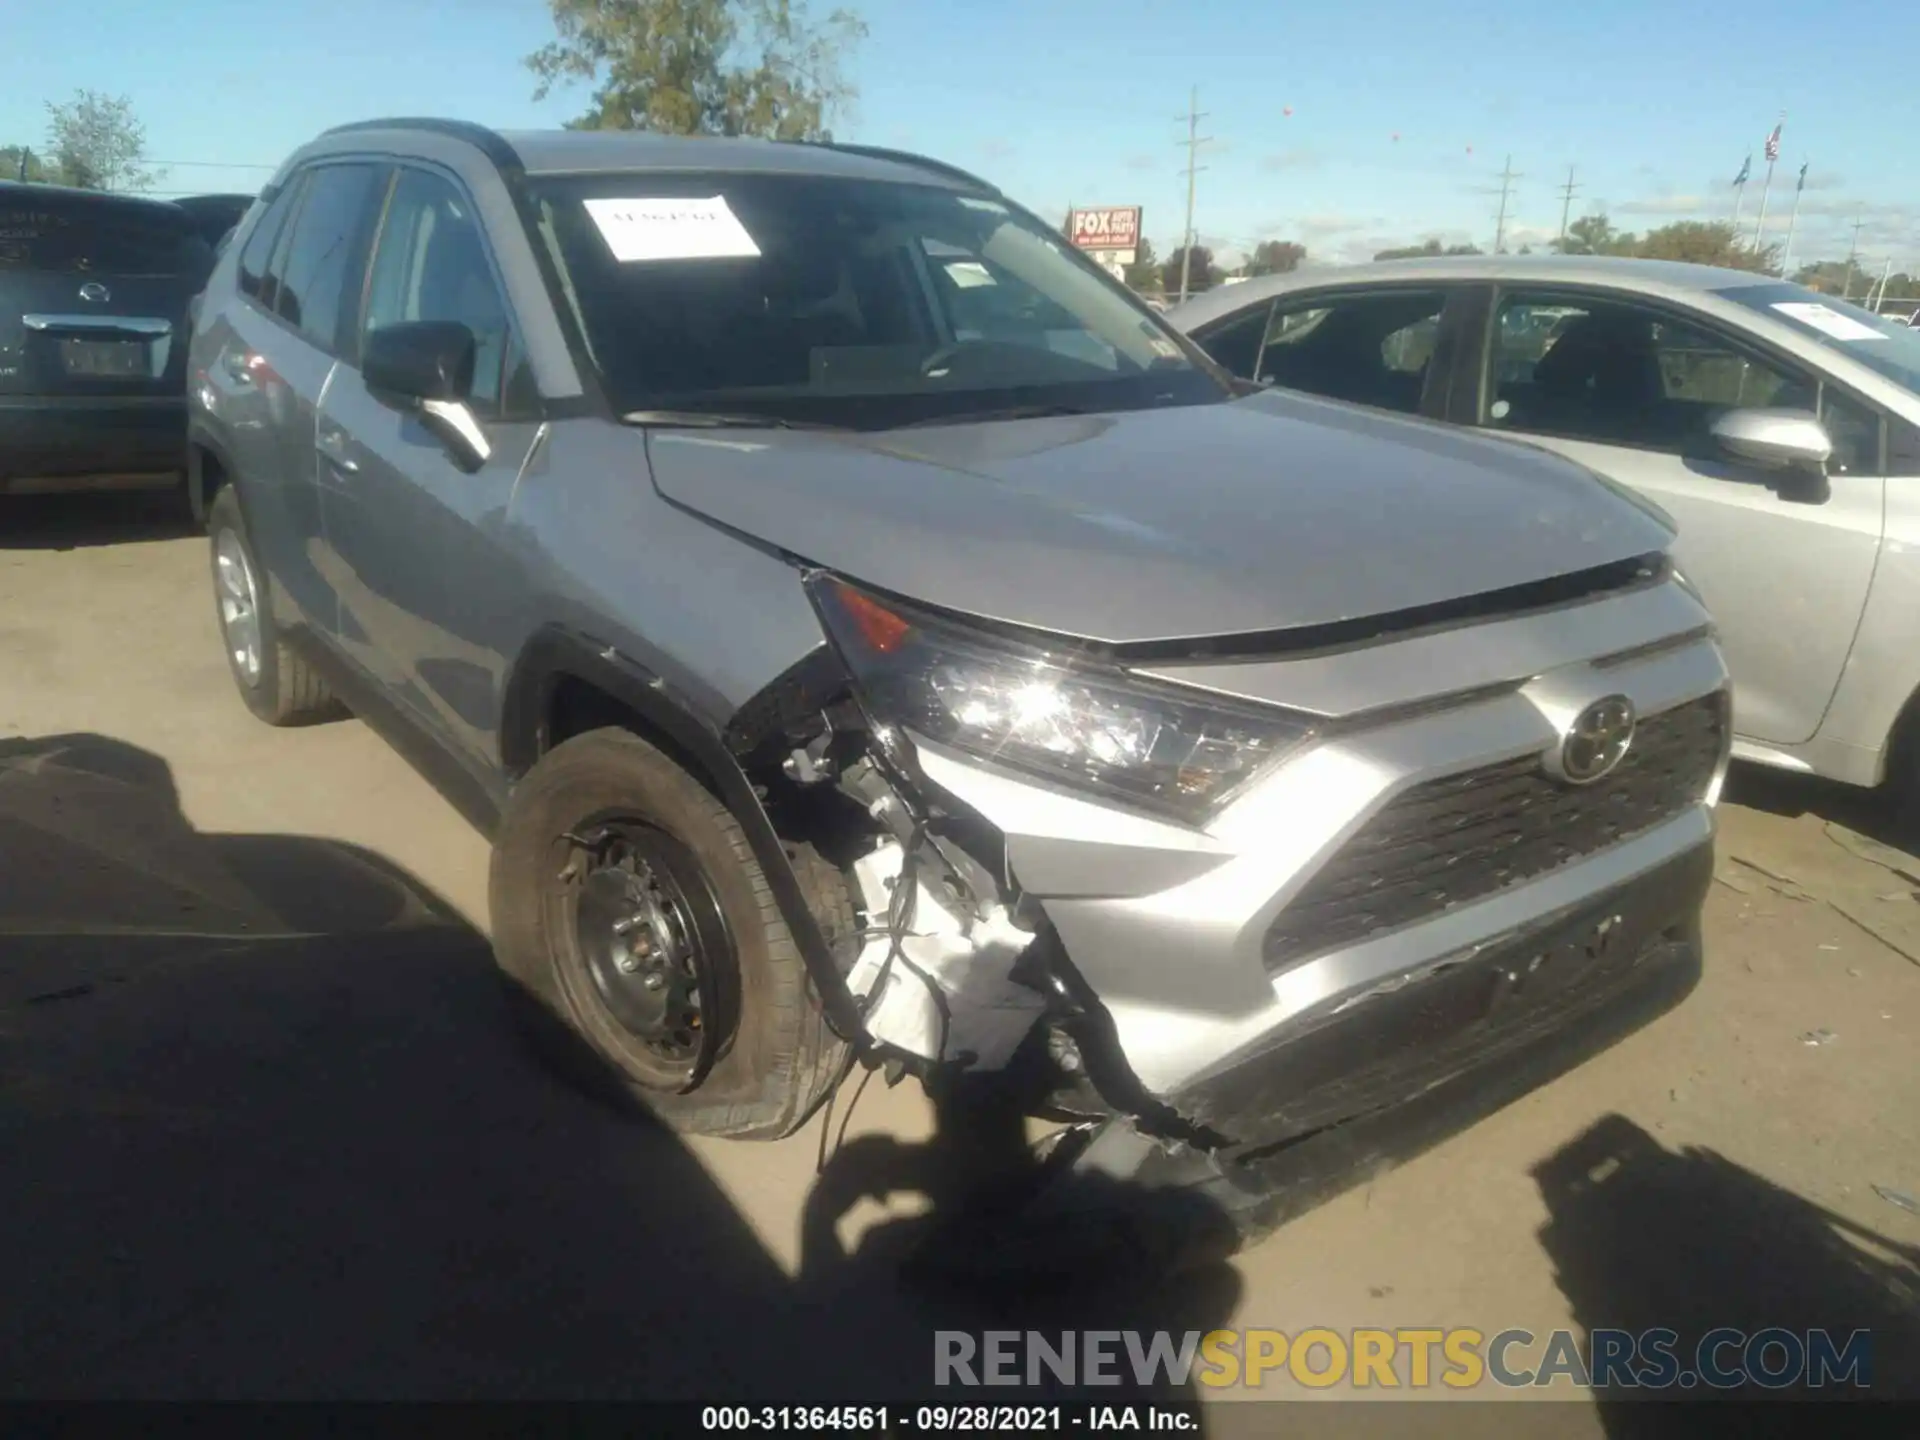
(650, 956)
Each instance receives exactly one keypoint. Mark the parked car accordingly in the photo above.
(93, 301)
(215, 215)
(1779, 427)
(849, 668)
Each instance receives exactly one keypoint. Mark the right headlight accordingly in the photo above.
(1152, 745)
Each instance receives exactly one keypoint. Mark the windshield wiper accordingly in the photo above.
(719, 420)
(1004, 412)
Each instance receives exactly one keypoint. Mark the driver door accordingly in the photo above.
(417, 544)
(1630, 390)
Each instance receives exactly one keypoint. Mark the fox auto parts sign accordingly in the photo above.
(1111, 232)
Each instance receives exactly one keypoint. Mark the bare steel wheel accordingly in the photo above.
(276, 682)
(646, 954)
(651, 941)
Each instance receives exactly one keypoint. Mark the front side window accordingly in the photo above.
(324, 250)
(1371, 349)
(430, 263)
(845, 302)
(1617, 373)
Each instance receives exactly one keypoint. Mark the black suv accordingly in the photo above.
(94, 291)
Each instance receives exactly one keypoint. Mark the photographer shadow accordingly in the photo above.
(270, 1136)
(1642, 1237)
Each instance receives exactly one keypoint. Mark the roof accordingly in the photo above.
(1670, 276)
(17, 190)
(560, 152)
(579, 152)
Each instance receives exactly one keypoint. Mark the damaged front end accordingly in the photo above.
(1240, 951)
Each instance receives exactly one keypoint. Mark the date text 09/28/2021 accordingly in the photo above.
(949, 1419)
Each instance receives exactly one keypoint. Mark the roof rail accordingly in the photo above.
(488, 142)
(903, 157)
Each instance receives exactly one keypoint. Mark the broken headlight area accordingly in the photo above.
(1090, 727)
(954, 972)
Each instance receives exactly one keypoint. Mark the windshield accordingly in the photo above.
(1879, 343)
(846, 302)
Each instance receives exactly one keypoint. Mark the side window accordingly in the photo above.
(431, 264)
(1370, 349)
(260, 243)
(1855, 432)
(1236, 343)
(1617, 374)
(323, 257)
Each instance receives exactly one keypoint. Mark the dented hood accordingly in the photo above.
(1266, 513)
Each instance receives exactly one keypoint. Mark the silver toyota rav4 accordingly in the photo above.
(871, 636)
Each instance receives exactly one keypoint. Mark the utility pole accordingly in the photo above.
(1853, 250)
(1566, 206)
(1878, 296)
(25, 156)
(1507, 176)
(1193, 142)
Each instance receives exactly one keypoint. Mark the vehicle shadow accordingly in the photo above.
(79, 520)
(1643, 1237)
(1878, 814)
(270, 1135)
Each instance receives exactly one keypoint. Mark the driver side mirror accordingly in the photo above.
(1790, 441)
(429, 364)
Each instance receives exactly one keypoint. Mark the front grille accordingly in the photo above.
(1464, 837)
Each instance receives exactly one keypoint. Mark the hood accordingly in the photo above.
(1268, 513)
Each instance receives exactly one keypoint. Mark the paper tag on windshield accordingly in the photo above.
(1827, 321)
(672, 229)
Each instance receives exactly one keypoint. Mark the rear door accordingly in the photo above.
(300, 287)
(1629, 388)
(418, 545)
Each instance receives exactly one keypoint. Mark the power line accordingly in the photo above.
(1193, 142)
(206, 165)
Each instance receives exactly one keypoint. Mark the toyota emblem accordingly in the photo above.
(95, 293)
(1595, 742)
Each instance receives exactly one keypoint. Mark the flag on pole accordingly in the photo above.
(1802, 183)
(1746, 169)
(1773, 144)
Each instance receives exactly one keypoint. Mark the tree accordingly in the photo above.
(1705, 242)
(1200, 274)
(1274, 257)
(1144, 272)
(98, 144)
(1594, 235)
(1425, 250)
(18, 162)
(702, 67)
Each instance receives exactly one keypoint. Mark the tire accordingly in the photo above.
(758, 1057)
(278, 685)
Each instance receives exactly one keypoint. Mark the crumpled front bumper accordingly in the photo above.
(1461, 1012)
(1441, 1053)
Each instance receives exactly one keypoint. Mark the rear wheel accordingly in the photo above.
(652, 960)
(274, 681)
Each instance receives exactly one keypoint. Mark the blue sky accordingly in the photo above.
(1075, 101)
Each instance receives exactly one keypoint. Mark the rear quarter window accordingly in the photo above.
(44, 235)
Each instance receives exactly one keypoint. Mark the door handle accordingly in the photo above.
(333, 445)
